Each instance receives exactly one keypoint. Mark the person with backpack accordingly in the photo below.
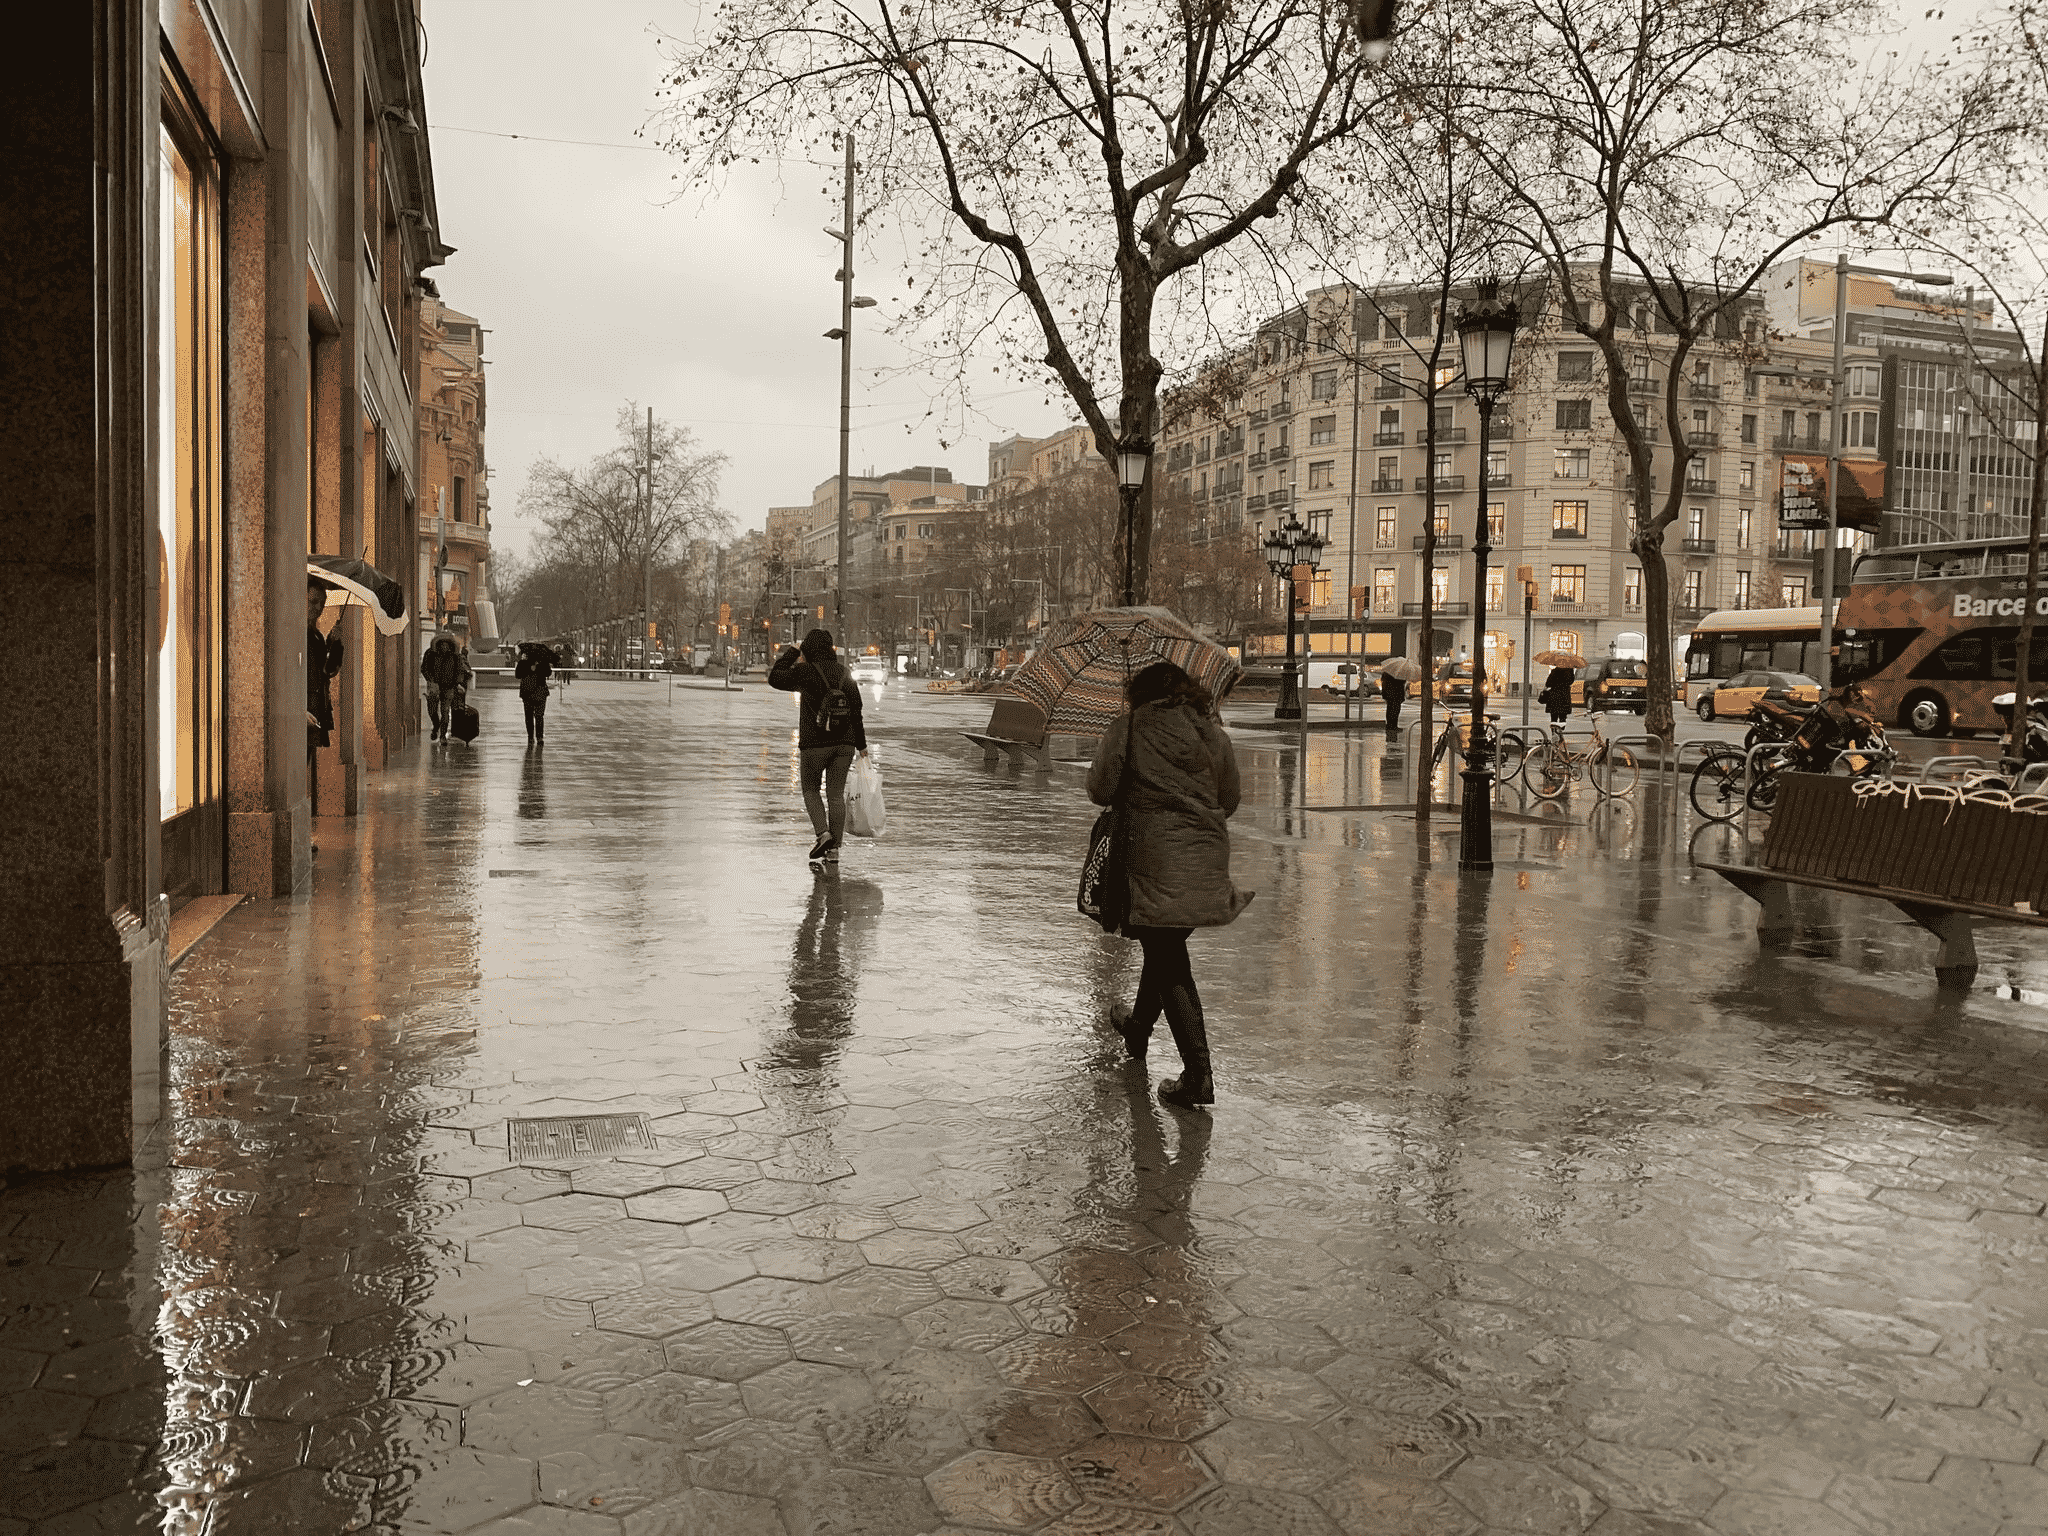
(829, 735)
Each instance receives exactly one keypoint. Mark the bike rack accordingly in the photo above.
(1937, 770)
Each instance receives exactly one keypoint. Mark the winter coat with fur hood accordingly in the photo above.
(1182, 787)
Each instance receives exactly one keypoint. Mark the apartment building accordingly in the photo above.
(1329, 418)
(1019, 464)
(452, 591)
(1926, 397)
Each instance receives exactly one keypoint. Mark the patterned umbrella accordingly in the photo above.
(1077, 677)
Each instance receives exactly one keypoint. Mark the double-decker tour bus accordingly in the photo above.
(1932, 632)
(1752, 640)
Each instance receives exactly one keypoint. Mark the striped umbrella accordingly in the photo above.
(1078, 675)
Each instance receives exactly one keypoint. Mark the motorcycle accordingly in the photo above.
(1837, 734)
(2033, 747)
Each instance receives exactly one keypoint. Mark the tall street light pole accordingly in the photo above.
(1133, 457)
(843, 334)
(1486, 335)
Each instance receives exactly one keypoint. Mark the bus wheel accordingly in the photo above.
(1926, 715)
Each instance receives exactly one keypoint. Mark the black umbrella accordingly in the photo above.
(358, 581)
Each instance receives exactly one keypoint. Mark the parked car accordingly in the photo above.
(1615, 684)
(1454, 684)
(1348, 678)
(1735, 698)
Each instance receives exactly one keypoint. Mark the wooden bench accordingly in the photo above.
(1016, 727)
(1947, 866)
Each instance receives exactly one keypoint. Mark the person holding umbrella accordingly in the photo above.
(323, 664)
(536, 665)
(1394, 689)
(1172, 769)
(1556, 693)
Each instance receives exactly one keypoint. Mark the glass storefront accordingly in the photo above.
(188, 508)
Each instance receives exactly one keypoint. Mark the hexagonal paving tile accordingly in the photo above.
(991, 1488)
(614, 1473)
(1154, 1406)
(653, 1312)
(673, 1407)
(571, 1213)
(1279, 1456)
(1123, 1469)
(727, 1351)
(976, 1325)
(681, 1206)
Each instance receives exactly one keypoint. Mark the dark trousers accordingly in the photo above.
(536, 718)
(1394, 714)
(1167, 985)
(441, 706)
(827, 808)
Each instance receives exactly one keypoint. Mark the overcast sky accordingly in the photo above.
(597, 288)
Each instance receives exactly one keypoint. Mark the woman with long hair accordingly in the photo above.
(1176, 773)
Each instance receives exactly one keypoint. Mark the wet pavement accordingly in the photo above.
(1544, 1203)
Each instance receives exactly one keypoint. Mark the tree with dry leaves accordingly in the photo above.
(1093, 179)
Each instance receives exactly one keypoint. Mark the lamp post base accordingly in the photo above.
(1475, 827)
(1289, 707)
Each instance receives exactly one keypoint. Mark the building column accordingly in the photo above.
(83, 929)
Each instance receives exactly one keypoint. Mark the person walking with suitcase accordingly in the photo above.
(1175, 772)
(830, 733)
(448, 676)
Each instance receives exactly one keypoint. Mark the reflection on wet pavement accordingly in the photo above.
(1540, 1205)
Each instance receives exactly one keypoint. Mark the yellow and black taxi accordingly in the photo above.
(1735, 698)
(1616, 684)
(1454, 684)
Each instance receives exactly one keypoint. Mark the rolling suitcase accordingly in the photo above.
(465, 724)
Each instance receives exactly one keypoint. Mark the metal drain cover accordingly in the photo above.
(574, 1136)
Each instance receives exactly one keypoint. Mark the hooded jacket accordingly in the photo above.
(445, 666)
(1183, 786)
(796, 673)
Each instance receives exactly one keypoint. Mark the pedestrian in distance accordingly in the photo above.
(448, 676)
(1395, 691)
(323, 663)
(534, 669)
(1556, 693)
(1175, 771)
(830, 733)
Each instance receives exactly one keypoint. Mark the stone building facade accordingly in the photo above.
(1326, 415)
(451, 585)
(219, 214)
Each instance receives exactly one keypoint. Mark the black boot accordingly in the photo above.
(1136, 1036)
(1194, 1086)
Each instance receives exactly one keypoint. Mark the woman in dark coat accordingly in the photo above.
(1556, 694)
(323, 663)
(1395, 691)
(1178, 777)
(830, 732)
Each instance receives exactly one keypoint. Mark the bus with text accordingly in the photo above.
(1738, 640)
(1932, 632)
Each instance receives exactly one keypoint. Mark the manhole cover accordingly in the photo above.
(550, 1141)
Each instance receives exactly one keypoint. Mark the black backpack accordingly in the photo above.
(834, 709)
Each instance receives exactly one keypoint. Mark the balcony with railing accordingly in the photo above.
(1699, 391)
(1440, 610)
(1443, 435)
(1443, 482)
(1254, 503)
(1567, 533)
(1389, 439)
(1284, 411)
(1443, 540)
(1388, 391)
(1641, 385)
(1798, 443)
(1699, 487)
(1500, 482)
(1690, 613)
(1697, 546)
(1703, 439)
(1256, 419)
(1386, 487)
(1254, 460)
(1628, 482)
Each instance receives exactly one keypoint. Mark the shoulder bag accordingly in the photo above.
(1105, 890)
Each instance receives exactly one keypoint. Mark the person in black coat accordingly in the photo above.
(536, 666)
(830, 732)
(323, 664)
(1395, 691)
(1556, 693)
(448, 676)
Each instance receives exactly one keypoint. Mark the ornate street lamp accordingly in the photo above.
(1133, 458)
(1287, 547)
(1486, 336)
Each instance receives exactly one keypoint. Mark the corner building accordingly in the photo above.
(219, 214)
(1324, 414)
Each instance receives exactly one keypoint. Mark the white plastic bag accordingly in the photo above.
(866, 816)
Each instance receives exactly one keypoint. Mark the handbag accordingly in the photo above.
(866, 816)
(1105, 889)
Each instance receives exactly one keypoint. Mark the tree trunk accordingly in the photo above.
(1425, 773)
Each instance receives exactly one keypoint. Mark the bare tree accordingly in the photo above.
(1676, 150)
(1075, 158)
(603, 534)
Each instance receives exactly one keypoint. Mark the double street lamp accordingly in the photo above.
(1288, 547)
(1486, 337)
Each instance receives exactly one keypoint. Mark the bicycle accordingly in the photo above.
(1720, 784)
(1507, 748)
(1554, 765)
(1835, 737)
